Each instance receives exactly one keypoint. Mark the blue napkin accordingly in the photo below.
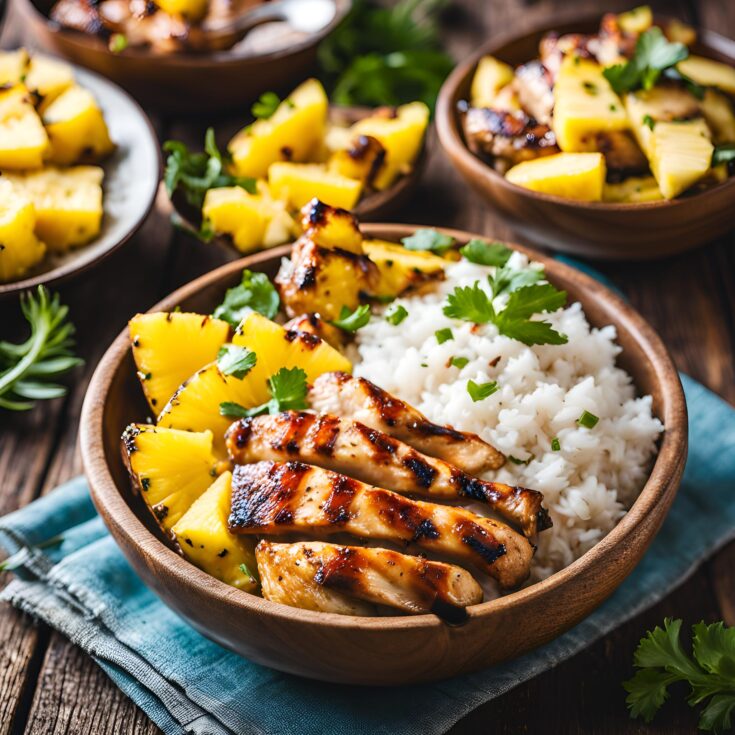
(71, 575)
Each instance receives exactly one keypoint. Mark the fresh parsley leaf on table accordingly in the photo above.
(351, 321)
(255, 293)
(288, 389)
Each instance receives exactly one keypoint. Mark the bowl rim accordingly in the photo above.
(74, 267)
(120, 518)
(223, 58)
(452, 140)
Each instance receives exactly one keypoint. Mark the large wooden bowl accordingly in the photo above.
(382, 650)
(191, 84)
(591, 229)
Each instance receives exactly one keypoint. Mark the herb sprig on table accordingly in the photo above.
(28, 369)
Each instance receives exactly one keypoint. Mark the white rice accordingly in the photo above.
(543, 390)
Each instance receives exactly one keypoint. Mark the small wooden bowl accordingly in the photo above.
(590, 229)
(191, 84)
(382, 650)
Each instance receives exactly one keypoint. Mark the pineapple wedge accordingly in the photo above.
(490, 76)
(20, 249)
(578, 176)
(330, 227)
(195, 406)
(170, 347)
(23, 140)
(584, 105)
(68, 203)
(48, 78)
(170, 468)
(206, 541)
(13, 65)
(720, 116)
(635, 189)
(635, 21)
(709, 73)
(192, 10)
(402, 269)
(298, 183)
(361, 159)
(293, 133)
(401, 135)
(76, 128)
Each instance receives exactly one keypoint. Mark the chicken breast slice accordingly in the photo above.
(342, 579)
(360, 400)
(373, 457)
(293, 497)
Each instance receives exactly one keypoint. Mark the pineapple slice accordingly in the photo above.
(293, 133)
(195, 406)
(678, 31)
(192, 10)
(584, 105)
(709, 73)
(490, 76)
(20, 249)
(720, 116)
(13, 65)
(401, 135)
(206, 541)
(578, 176)
(68, 203)
(361, 159)
(170, 468)
(23, 140)
(402, 269)
(635, 21)
(636, 189)
(76, 128)
(170, 347)
(48, 78)
(330, 227)
(299, 183)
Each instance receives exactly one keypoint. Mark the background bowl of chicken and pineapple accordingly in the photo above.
(602, 230)
(395, 649)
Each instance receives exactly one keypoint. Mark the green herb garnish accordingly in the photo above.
(648, 121)
(118, 43)
(555, 445)
(244, 569)
(396, 315)
(443, 335)
(267, 105)
(588, 420)
(351, 321)
(506, 280)
(235, 360)
(27, 369)
(431, 240)
(517, 461)
(486, 253)
(709, 670)
(459, 362)
(288, 389)
(255, 293)
(723, 153)
(480, 391)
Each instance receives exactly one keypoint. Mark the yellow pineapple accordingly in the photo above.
(361, 159)
(293, 133)
(170, 468)
(634, 189)
(490, 77)
(720, 116)
(23, 140)
(330, 227)
(402, 269)
(48, 78)
(13, 65)
(20, 249)
(170, 347)
(578, 176)
(709, 73)
(206, 541)
(193, 10)
(298, 183)
(637, 20)
(678, 31)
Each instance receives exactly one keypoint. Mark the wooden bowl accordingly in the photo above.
(590, 229)
(130, 185)
(382, 650)
(192, 84)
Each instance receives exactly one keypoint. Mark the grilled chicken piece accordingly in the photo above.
(371, 456)
(330, 578)
(292, 497)
(360, 400)
(313, 324)
(534, 84)
(81, 15)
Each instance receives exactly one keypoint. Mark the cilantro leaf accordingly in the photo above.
(443, 335)
(351, 321)
(486, 253)
(714, 648)
(723, 153)
(288, 389)
(458, 361)
(235, 360)
(396, 315)
(431, 240)
(531, 332)
(471, 304)
(534, 299)
(647, 691)
(480, 391)
(717, 715)
(255, 293)
(505, 279)
(266, 105)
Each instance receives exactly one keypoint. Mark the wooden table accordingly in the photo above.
(49, 686)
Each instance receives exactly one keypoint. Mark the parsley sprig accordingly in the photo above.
(235, 360)
(254, 293)
(428, 239)
(288, 389)
(267, 104)
(710, 672)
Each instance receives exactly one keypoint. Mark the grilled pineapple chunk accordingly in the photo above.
(13, 65)
(23, 140)
(402, 269)
(299, 183)
(331, 227)
(206, 541)
(68, 203)
(709, 73)
(720, 116)
(490, 76)
(76, 128)
(189, 9)
(637, 20)
(293, 133)
(578, 176)
(48, 78)
(171, 468)
(361, 159)
(584, 105)
(170, 347)
(401, 135)
(634, 189)
(20, 249)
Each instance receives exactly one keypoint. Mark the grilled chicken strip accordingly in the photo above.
(313, 324)
(292, 497)
(371, 456)
(360, 400)
(329, 578)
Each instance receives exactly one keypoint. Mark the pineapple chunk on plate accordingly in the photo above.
(23, 139)
(206, 541)
(490, 76)
(299, 183)
(637, 20)
(68, 203)
(361, 159)
(709, 73)
(170, 468)
(20, 249)
(402, 269)
(169, 347)
(579, 176)
(13, 65)
(48, 77)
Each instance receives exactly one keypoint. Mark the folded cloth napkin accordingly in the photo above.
(71, 575)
